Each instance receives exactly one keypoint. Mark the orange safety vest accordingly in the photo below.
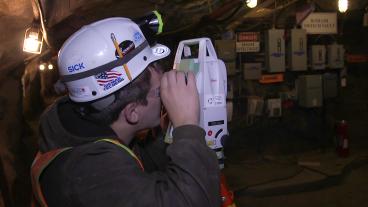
(42, 160)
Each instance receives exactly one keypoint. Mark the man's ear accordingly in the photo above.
(131, 113)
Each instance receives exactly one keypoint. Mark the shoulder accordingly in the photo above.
(88, 172)
(99, 154)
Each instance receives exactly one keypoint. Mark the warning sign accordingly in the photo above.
(248, 42)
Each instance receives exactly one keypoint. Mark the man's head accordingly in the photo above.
(109, 67)
(138, 103)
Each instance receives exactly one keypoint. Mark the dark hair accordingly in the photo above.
(136, 91)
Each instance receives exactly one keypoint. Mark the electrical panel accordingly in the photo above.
(297, 54)
(336, 55)
(225, 50)
(318, 57)
(275, 50)
(252, 71)
(310, 91)
(274, 107)
(330, 86)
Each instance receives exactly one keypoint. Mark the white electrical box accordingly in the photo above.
(275, 50)
(274, 107)
(318, 57)
(297, 54)
(336, 54)
(310, 91)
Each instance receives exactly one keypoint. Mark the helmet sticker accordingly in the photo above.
(108, 79)
(80, 92)
(137, 37)
(160, 50)
(125, 46)
(76, 67)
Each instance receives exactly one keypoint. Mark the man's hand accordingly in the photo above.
(180, 97)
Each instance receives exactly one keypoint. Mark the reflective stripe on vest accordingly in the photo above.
(42, 160)
(116, 142)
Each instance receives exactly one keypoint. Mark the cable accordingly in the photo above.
(328, 181)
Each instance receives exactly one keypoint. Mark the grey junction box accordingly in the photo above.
(330, 86)
(252, 71)
(297, 54)
(275, 50)
(310, 91)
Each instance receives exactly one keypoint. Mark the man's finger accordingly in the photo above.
(164, 83)
(191, 80)
(171, 78)
(180, 77)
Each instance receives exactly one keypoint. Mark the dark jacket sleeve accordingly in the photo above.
(111, 177)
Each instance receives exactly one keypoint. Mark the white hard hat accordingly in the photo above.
(89, 62)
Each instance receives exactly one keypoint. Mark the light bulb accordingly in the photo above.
(33, 41)
(251, 3)
(50, 66)
(42, 67)
(343, 5)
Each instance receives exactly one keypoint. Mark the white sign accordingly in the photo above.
(247, 46)
(217, 100)
(321, 23)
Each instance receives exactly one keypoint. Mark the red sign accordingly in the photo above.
(248, 37)
(356, 58)
(272, 78)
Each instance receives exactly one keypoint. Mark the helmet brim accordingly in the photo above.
(159, 51)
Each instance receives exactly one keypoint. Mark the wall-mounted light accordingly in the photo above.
(343, 5)
(251, 3)
(42, 66)
(50, 66)
(33, 40)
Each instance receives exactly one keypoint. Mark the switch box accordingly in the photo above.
(275, 50)
(336, 55)
(274, 107)
(318, 57)
(252, 71)
(310, 91)
(225, 50)
(297, 54)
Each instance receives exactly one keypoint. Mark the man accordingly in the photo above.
(115, 84)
